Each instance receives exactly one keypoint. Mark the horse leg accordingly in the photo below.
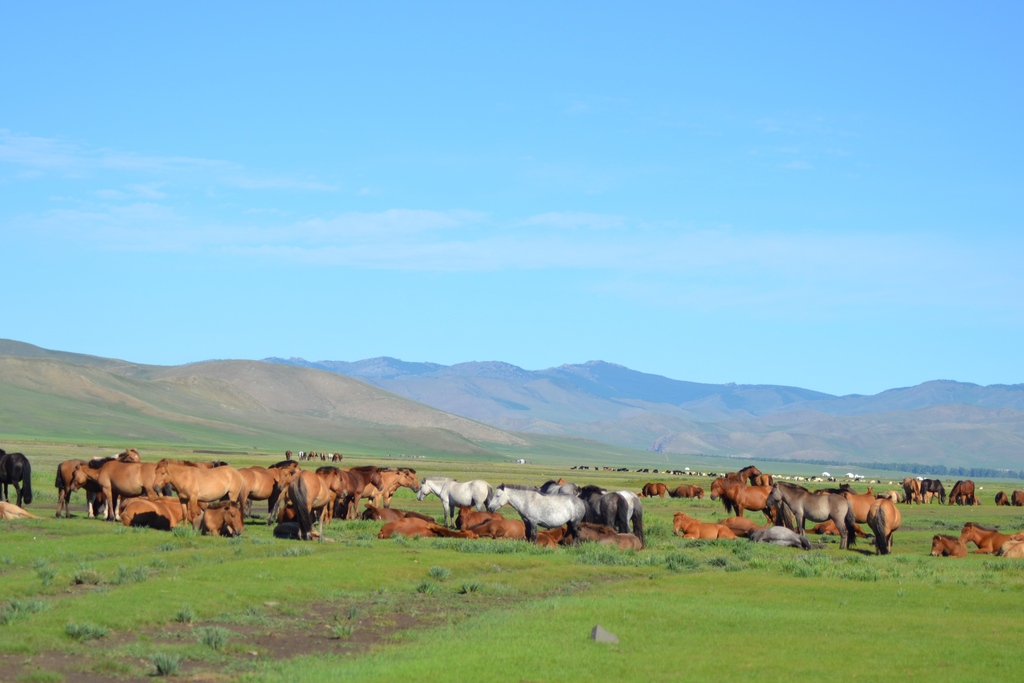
(574, 532)
(531, 531)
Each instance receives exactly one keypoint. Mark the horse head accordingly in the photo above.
(497, 498)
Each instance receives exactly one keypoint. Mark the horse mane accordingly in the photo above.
(980, 527)
(592, 488)
(279, 465)
(96, 463)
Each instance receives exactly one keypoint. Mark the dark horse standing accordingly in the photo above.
(934, 486)
(15, 469)
(614, 510)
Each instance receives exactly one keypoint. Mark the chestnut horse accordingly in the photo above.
(741, 526)
(65, 475)
(196, 484)
(748, 474)
(1017, 499)
(738, 497)
(1013, 549)
(1002, 498)
(829, 528)
(391, 514)
(393, 479)
(912, 490)
(962, 493)
(987, 539)
(860, 502)
(220, 519)
(693, 528)
(501, 528)
(118, 480)
(163, 513)
(651, 490)
(308, 492)
(267, 484)
(418, 528)
(12, 511)
(948, 546)
(469, 518)
(687, 491)
(884, 518)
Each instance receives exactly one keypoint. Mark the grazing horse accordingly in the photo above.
(962, 493)
(163, 513)
(987, 539)
(894, 496)
(780, 535)
(560, 486)
(912, 489)
(803, 504)
(1002, 499)
(454, 494)
(861, 503)
(16, 470)
(687, 491)
(738, 497)
(935, 487)
(1017, 499)
(948, 546)
(693, 528)
(883, 518)
(196, 484)
(536, 509)
(654, 489)
(118, 480)
(617, 510)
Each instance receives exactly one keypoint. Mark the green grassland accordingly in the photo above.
(358, 608)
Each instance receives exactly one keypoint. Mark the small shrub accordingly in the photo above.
(166, 664)
(426, 587)
(185, 615)
(471, 587)
(439, 573)
(88, 577)
(296, 551)
(353, 612)
(214, 637)
(46, 574)
(339, 631)
(134, 575)
(17, 610)
(184, 531)
(680, 562)
(84, 631)
(41, 676)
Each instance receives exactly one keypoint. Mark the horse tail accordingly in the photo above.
(851, 525)
(878, 524)
(299, 497)
(638, 524)
(784, 517)
(26, 480)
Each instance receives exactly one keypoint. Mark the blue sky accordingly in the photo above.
(804, 194)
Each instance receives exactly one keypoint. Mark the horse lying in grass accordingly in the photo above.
(741, 526)
(391, 515)
(687, 491)
(618, 509)
(500, 528)
(469, 518)
(1012, 549)
(780, 535)
(163, 513)
(828, 528)
(692, 528)
(220, 519)
(12, 511)
(884, 518)
(418, 528)
(948, 546)
(987, 539)
(605, 535)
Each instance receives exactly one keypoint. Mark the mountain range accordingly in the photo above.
(938, 422)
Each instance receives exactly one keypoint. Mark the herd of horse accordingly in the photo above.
(216, 498)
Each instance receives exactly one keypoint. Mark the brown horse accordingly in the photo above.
(763, 480)
(894, 496)
(1017, 499)
(1002, 499)
(129, 455)
(687, 491)
(912, 491)
(195, 484)
(963, 493)
(267, 484)
(393, 479)
(163, 513)
(738, 497)
(469, 518)
(741, 526)
(308, 494)
(220, 519)
(419, 528)
(118, 480)
(391, 514)
(365, 481)
(948, 546)
(651, 490)
(860, 502)
(12, 511)
(501, 528)
(748, 474)
(987, 539)
(884, 518)
(63, 482)
(693, 528)
(605, 535)
(829, 528)
(550, 538)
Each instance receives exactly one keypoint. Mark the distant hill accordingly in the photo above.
(939, 422)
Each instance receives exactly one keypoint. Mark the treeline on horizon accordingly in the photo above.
(911, 467)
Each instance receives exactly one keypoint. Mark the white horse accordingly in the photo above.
(549, 511)
(454, 494)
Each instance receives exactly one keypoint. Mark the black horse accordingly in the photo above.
(934, 486)
(16, 470)
(612, 509)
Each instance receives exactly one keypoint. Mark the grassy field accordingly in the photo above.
(87, 600)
